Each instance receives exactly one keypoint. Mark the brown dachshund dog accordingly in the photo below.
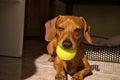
(68, 32)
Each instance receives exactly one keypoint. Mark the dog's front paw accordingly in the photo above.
(60, 76)
(51, 59)
(77, 77)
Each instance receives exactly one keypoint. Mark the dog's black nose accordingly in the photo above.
(67, 44)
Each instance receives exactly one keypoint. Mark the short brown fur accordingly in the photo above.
(70, 28)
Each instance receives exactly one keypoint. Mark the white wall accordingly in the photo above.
(11, 27)
(104, 20)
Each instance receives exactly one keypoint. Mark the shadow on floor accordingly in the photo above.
(33, 48)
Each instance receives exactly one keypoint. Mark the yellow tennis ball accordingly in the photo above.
(65, 54)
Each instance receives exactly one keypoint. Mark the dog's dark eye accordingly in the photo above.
(60, 28)
(77, 30)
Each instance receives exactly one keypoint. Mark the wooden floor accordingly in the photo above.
(21, 68)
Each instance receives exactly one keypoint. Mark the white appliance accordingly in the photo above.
(11, 27)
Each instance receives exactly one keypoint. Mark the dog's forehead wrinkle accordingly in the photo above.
(69, 23)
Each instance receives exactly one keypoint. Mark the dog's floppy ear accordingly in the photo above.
(50, 29)
(86, 31)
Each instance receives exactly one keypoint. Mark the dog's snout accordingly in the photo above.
(67, 44)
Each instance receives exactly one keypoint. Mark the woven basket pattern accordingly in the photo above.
(103, 53)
